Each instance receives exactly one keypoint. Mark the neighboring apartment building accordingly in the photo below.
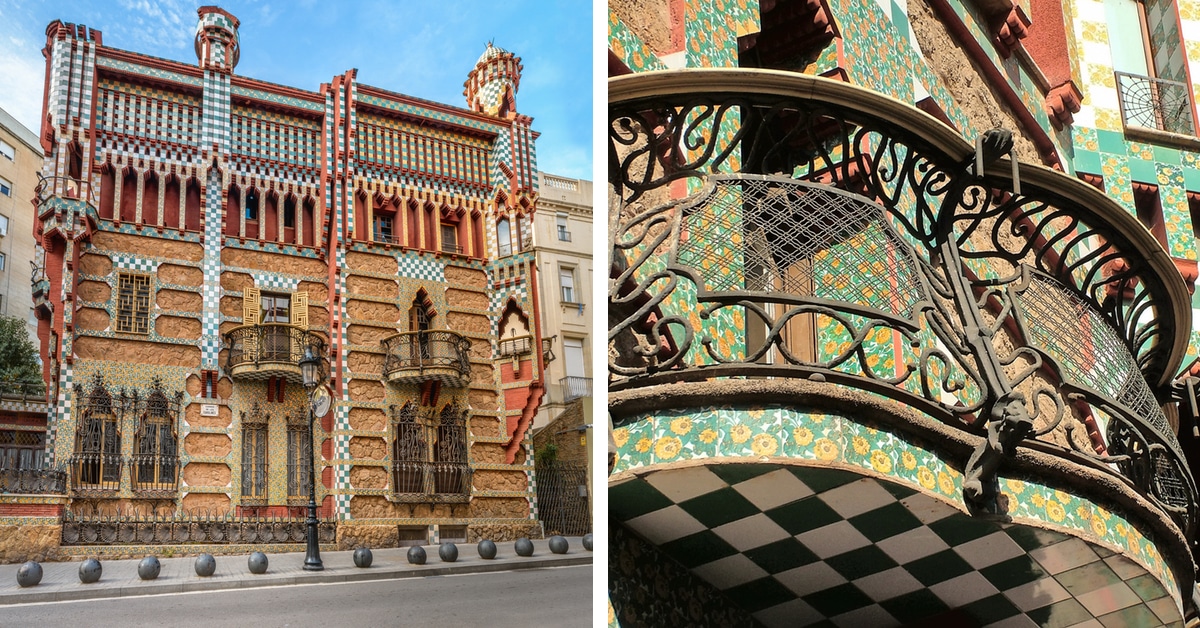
(204, 232)
(901, 312)
(20, 163)
(562, 245)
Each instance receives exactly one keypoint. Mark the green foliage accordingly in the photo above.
(546, 455)
(18, 355)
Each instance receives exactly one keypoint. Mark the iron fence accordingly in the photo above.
(33, 481)
(575, 387)
(562, 492)
(134, 528)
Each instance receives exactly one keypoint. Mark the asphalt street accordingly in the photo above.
(554, 596)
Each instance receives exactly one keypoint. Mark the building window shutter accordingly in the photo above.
(251, 302)
(300, 309)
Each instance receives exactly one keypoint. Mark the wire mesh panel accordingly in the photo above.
(563, 498)
(1154, 103)
(786, 239)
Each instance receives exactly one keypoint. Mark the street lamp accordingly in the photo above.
(310, 373)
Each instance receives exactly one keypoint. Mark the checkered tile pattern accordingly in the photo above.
(797, 546)
(134, 263)
(210, 322)
(415, 266)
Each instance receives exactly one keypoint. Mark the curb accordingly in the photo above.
(336, 575)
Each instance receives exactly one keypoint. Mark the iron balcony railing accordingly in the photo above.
(271, 349)
(95, 473)
(575, 387)
(1153, 103)
(515, 346)
(421, 355)
(832, 234)
(431, 481)
(154, 474)
(24, 392)
(127, 527)
(33, 481)
(66, 187)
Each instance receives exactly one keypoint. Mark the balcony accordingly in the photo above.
(34, 481)
(521, 345)
(65, 206)
(270, 350)
(420, 356)
(1156, 109)
(575, 387)
(834, 294)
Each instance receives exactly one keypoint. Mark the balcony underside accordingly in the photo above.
(448, 376)
(266, 369)
(792, 513)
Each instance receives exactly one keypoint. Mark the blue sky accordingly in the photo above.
(414, 47)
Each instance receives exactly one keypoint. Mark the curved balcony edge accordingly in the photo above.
(415, 357)
(1051, 465)
(270, 350)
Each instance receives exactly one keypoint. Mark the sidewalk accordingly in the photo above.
(60, 581)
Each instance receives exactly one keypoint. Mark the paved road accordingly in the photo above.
(555, 596)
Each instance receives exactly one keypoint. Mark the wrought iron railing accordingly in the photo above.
(515, 346)
(429, 454)
(448, 247)
(133, 528)
(33, 481)
(575, 387)
(66, 187)
(154, 474)
(95, 473)
(1154, 103)
(830, 233)
(271, 343)
(24, 391)
(418, 351)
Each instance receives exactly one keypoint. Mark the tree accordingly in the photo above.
(18, 356)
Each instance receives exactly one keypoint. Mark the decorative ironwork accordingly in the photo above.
(521, 345)
(429, 454)
(423, 355)
(299, 454)
(33, 481)
(575, 387)
(270, 349)
(562, 491)
(133, 303)
(254, 456)
(830, 232)
(97, 461)
(126, 527)
(1154, 103)
(154, 466)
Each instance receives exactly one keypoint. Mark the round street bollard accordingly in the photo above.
(448, 552)
(363, 557)
(559, 544)
(524, 547)
(205, 565)
(149, 567)
(416, 555)
(257, 563)
(89, 571)
(487, 549)
(29, 574)
(587, 541)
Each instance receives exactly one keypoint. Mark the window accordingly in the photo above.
(254, 457)
(504, 238)
(299, 452)
(289, 213)
(275, 308)
(449, 239)
(429, 453)
(3, 225)
(133, 303)
(5, 187)
(384, 228)
(21, 450)
(566, 281)
(561, 223)
(7, 150)
(155, 458)
(3, 260)
(96, 464)
(251, 205)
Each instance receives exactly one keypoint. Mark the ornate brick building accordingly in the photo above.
(902, 315)
(203, 231)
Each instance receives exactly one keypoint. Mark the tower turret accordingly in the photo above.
(491, 86)
(217, 44)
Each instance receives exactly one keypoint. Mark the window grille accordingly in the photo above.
(133, 303)
(155, 462)
(254, 457)
(299, 454)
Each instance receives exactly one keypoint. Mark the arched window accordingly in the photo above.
(155, 461)
(252, 214)
(504, 238)
(96, 464)
(409, 451)
(310, 222)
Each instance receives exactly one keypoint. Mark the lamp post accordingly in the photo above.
(310, 372)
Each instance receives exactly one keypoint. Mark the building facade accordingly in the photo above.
(562, 245)
(901, 312)
(20, 163)
(204, 232)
